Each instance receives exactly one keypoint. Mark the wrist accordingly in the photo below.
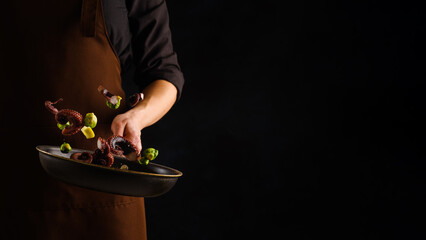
(159, 97)
(138, 116)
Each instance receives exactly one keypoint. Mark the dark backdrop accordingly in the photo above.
(298, 120)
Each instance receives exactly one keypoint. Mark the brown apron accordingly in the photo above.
(54, 49)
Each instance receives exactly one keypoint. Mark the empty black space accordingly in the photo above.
(298, 120)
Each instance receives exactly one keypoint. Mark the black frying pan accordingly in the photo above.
(141, 181)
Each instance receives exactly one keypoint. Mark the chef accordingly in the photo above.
(54, 49)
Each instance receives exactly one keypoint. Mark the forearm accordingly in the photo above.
(159, 97)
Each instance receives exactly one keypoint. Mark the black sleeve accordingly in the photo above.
(153, 52)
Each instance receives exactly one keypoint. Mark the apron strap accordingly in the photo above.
(88, 17)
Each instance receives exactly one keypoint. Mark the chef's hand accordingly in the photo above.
(127, 125)
(159, 97)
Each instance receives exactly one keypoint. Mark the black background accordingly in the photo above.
(298, 120)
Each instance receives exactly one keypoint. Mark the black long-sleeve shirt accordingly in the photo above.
(140, 34)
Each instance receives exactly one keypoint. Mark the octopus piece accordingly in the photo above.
(66, 115)
(102, 155)
(103, 145)
(102, 159)
(50, 107)
(82, 156)
(135, 98)
(122, 146)
(111, 98)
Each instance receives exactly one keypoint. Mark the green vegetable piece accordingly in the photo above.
(63, 126)
(150, 153)
(65, 147)
(114, 106)
(90, 120)
(144, 161)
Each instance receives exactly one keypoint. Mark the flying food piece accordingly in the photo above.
(65, 147)
(114, 106)
(148, 154)
(143, 161)
(102, 155)
(90, 120)
(65, 117)
(122, 146)
(63, 126)
(112, 101)
(88, 132)
(134, 99)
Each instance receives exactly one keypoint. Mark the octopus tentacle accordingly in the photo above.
(114, 149)
(50, 107)
(117, 151)
(102, 155)
(73, 117)
(103, 145)
(82, 156)
(123, 146)
(64, 116)
(135, 98)
(111, 98)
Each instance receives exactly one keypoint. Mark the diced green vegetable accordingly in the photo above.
(63, 126)
(144, 161)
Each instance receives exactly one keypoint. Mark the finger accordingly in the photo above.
(117, 127)
(138, 144)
